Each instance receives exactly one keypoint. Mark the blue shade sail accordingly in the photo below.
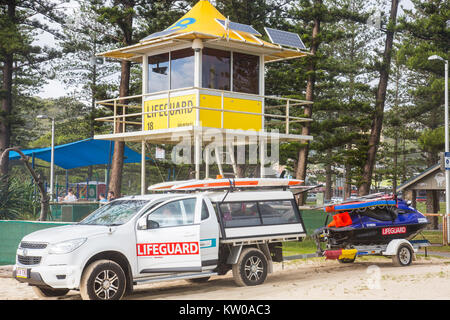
(80, 154)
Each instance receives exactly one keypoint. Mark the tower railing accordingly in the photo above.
(129, 112)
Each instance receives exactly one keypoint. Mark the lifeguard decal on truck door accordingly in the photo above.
(166, 249)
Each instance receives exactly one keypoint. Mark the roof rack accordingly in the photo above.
(227, 183)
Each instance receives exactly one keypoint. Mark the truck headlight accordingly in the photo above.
(65, 246)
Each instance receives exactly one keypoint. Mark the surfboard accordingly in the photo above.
(236, 183)
(165, 186)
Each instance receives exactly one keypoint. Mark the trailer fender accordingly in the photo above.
(392, 247)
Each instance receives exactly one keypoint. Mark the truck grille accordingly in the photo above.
(33, 245)
(28, 260)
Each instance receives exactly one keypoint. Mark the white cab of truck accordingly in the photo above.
(159, 237)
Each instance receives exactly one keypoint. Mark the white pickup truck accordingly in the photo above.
(141, 239)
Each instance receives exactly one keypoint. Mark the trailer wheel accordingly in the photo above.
(251, 268)
(403, 257)
(346, 260)
(103, 280)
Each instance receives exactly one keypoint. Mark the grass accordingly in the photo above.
(433, 236)
(293, 248)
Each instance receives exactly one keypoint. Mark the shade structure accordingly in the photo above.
(80, 154)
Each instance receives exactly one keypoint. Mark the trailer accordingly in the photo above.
(401, 251)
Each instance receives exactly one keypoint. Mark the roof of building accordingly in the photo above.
(414, 180)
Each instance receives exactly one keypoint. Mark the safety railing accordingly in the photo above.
(276, 111)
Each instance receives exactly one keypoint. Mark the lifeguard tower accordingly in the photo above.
(203, 80)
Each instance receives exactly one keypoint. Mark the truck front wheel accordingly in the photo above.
(42, 292)
(251, 268)
(103, 280)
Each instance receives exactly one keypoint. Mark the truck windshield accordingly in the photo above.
(115, 213)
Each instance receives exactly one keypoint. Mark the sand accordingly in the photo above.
(368, 278)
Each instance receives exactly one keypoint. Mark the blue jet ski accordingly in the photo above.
(371, 221)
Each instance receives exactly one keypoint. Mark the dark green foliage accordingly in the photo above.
(426, 33)
(17, 199)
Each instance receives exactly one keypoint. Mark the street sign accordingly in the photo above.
(447, 160)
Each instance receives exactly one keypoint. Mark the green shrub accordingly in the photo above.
(17, 199)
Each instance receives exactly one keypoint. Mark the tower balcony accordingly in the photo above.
(157, 117)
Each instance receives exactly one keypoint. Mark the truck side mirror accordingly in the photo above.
(151, 224)
(142, 223)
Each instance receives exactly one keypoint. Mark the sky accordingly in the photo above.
(55, 88)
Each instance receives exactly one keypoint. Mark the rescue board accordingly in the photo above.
(360, 205)
(236, 183)
(165, 186)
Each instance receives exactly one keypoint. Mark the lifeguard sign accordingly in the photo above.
(204, 71)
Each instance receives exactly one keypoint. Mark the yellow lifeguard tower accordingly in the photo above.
(204, 76)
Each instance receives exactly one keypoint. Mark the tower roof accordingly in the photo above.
(203, 21)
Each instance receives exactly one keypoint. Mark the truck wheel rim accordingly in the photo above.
(253, 268)
(404, 255)
(106, 284)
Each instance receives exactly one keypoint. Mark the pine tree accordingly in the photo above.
(329, 76)
(21, 60)
(380, 98)
(427, 33)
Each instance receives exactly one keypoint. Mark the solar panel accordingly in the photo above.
(159, 34)
(239, 27)
(285, 38)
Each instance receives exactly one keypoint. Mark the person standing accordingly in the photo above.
(111, 196)
(70, 197)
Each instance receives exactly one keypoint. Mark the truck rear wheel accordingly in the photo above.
(103, 280)
(251, 268)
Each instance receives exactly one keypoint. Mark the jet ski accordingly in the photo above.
(369, 221)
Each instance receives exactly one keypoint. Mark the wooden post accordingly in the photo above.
(444, 230)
